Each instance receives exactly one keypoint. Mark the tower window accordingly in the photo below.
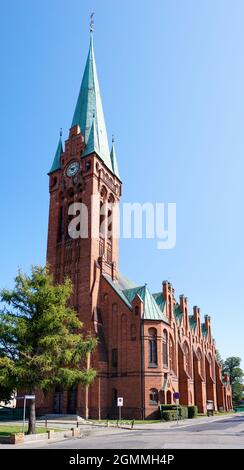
(88, 165)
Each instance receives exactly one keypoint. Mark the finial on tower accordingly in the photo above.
(61, 132)
(92, 23)
(113, 139)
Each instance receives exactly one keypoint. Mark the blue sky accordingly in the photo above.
(172, 80)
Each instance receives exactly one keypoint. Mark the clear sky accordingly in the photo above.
(172, 79)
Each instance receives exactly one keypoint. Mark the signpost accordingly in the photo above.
(120, 403)
(25, 397)
(176, 397)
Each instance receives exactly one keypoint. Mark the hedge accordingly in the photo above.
(192, 411)
(182, 410)
(169, 415)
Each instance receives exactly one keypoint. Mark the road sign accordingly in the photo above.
(30, 397)
(120, 401)
(176, 395)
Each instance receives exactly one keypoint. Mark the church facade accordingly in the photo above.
(149, 344)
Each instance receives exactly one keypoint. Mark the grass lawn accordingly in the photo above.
(8, 430)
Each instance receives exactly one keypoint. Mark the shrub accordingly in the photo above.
(182, 410)
(192, 411)
(169, 415)
(168, 407)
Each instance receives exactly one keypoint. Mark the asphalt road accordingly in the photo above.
(213, 433)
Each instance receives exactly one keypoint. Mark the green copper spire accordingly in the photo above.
(114, 160)
(89, 104)
(92, 144)
(57, 159)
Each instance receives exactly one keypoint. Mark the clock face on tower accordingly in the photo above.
(72, 169)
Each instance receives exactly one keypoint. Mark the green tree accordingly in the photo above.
(219, 358)
(41, 345)
(233, 370)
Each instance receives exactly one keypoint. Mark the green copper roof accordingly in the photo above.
(89, 108)
(92, 144)
(151, 309)
(57, 159)
(192, 322)
(178, 313)
(114, 160)
(128, 291)
(204, 330)
(159, 300)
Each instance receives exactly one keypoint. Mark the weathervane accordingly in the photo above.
(92, 22)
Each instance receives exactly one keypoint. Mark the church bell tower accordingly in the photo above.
(85, 189)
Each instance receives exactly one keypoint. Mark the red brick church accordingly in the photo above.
(150, 344)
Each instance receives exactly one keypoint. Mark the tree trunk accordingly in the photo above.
(32, 418)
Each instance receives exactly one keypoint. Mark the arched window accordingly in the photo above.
(187, 359)
(102, 221)
(110, 218)
(171, 354)
(200, 362)
(152, 343)
(165, 349)
(136, 310)
(153, 396)
(133, 332)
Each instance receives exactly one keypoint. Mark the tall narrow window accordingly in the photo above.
(114, 358)
(171, 354)
(110, 218)
(102, 220)
(152, 343)
(165, 349)
(187, 358)
(200, 362)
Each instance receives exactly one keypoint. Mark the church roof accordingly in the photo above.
(127, 291)
(89, 112)
(160, 301)
(57, 159)
(151, 308)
